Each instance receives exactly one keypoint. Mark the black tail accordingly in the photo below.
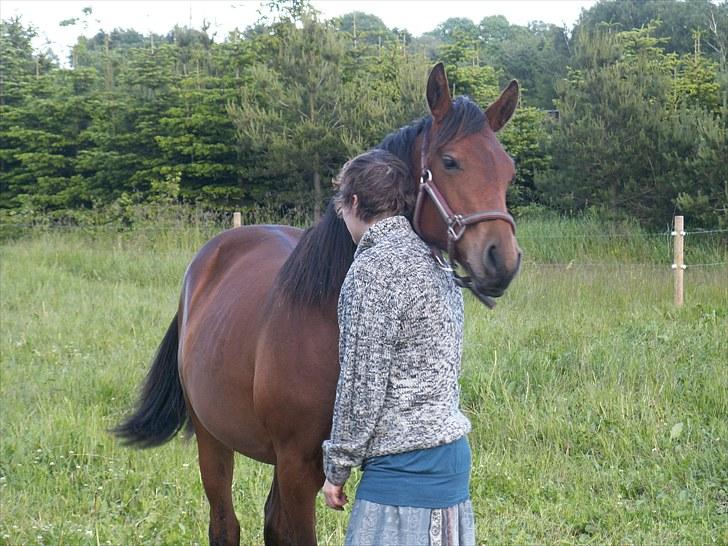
(161, 410)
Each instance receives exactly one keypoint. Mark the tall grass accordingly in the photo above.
(599, 409)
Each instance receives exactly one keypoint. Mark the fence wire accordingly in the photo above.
(598, 236)
(220, 225)
(664, 237)
(706, 231)
(706, 265)
(617, 264)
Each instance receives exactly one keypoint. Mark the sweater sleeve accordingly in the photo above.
(369, 323)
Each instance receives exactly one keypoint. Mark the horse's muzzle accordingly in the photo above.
(498, 273)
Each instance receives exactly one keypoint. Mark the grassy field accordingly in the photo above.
(600, 411)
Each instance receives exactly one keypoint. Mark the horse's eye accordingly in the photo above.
(449, 163)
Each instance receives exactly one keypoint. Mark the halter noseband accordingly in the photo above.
(456, 223)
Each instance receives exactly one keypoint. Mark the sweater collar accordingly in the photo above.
(382, 230)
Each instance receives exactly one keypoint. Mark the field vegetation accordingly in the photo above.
(599, 409)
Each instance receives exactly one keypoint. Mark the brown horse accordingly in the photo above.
(250, 361)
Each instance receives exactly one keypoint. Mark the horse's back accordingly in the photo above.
(233, 259)
(225, 289)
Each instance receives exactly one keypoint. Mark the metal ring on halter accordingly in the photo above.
(428, 178)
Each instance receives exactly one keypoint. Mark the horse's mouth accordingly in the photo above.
(492, 293)
(489, 301)
(484, 291)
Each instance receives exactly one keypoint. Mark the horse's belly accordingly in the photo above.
(296, 374)
(217, 373)
(222, 403)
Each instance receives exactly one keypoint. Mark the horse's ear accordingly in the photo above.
(501, 110)
(438, 93)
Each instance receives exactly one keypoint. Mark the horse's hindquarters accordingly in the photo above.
(221, 316)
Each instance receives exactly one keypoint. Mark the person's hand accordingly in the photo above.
(334, 495)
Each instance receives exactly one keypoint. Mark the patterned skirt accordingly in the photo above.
(373, 524)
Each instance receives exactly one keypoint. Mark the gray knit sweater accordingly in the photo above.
(401, 330)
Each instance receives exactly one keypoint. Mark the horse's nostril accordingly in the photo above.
(491, 259)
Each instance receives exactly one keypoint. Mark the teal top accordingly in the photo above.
(437, 477)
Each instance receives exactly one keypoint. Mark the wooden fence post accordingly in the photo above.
(236, 219)
(679, 259)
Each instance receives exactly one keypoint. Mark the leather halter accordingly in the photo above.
(456, 224)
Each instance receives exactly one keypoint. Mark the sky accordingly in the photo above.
(417, 16)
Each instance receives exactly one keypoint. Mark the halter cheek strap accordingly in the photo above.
(456, 224)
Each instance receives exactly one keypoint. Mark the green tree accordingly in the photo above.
(679, 18)
(44, 112)
(122, 153)
(456, 29)
(536, 55)
(196, 137)
(293, 114)
(524, 138)
(364, 30)
(460, 51)
(380, 93)
(639, 133)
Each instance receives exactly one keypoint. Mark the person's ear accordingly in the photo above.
(354, 203)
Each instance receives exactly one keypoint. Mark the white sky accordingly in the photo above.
(417, 16)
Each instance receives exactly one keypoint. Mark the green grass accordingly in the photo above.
(600, 411)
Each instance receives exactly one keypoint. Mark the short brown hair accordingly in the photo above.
(381, 181)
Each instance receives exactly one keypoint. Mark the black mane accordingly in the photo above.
(314, 272)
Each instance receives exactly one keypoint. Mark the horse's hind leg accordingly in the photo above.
(216, 469)
(290, 511)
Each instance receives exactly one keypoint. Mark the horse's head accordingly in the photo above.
(462, 206)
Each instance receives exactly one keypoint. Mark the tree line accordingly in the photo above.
(622, 115)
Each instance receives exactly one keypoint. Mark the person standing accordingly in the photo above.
(397, 399)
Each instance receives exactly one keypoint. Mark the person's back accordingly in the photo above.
(395, 292)
(397, 401)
